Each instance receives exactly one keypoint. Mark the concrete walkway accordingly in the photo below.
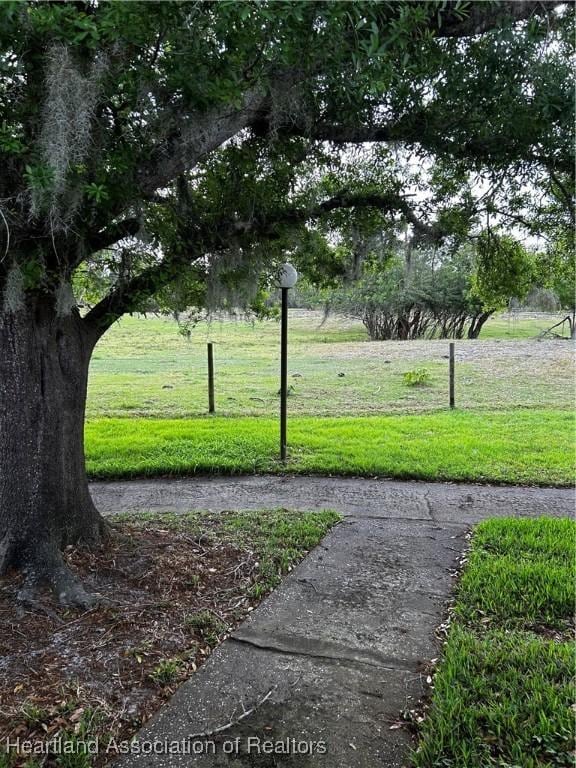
(442, 502)
(321, 670)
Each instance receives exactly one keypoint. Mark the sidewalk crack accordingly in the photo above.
(390, 664)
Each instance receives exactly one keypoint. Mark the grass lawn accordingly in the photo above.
(521, 446)
(351, 410)
(503, 694)
(144, 367)
(522, 325)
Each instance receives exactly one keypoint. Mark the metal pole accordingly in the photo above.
(210, 378)
(283, 373)
(451, 367)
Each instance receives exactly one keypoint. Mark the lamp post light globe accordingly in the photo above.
(288, 276)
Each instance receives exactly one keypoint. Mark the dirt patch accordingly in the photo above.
(489, 351)
(169, 594)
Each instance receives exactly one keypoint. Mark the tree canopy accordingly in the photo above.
(406, 292)
(177, 133)
(182, 149)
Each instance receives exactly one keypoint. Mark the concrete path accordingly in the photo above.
(442, 502)
(321, 670)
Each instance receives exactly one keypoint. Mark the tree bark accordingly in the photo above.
(477, 323)
(45, 503)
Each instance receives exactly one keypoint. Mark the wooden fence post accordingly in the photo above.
(210, 378)
(451, 370)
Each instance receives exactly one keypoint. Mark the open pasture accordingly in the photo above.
(146, 368)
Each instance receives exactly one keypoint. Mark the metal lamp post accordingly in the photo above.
(288, 278)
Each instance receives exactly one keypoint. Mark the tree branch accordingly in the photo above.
(388, 202)
(483, 17)
(128, 294)
(192, 136)
(112, 234)
(189, 137)
(564, 194)
(383, 202)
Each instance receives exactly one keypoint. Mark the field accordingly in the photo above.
(504, 692)
(147, 404)
(144, 367)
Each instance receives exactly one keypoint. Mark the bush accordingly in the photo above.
(416, 377)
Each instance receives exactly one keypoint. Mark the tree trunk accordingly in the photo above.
(45, 503)
(477, 323)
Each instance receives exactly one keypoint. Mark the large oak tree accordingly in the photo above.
(158, 144)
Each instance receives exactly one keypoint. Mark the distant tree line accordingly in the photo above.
(405, 292)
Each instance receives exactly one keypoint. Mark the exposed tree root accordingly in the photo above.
(70, 591)
(47, 569)
(36, 553)
(65, 586)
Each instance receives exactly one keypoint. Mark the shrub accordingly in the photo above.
(417, 377)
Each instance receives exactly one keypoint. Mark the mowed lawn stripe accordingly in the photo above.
(532, 447)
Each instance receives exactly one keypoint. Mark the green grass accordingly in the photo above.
(522, 325)
(352, 409)
(279, 538)
(504, 690)
(145, 368)
(519, 574)
(528, 446)
(166, 671)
